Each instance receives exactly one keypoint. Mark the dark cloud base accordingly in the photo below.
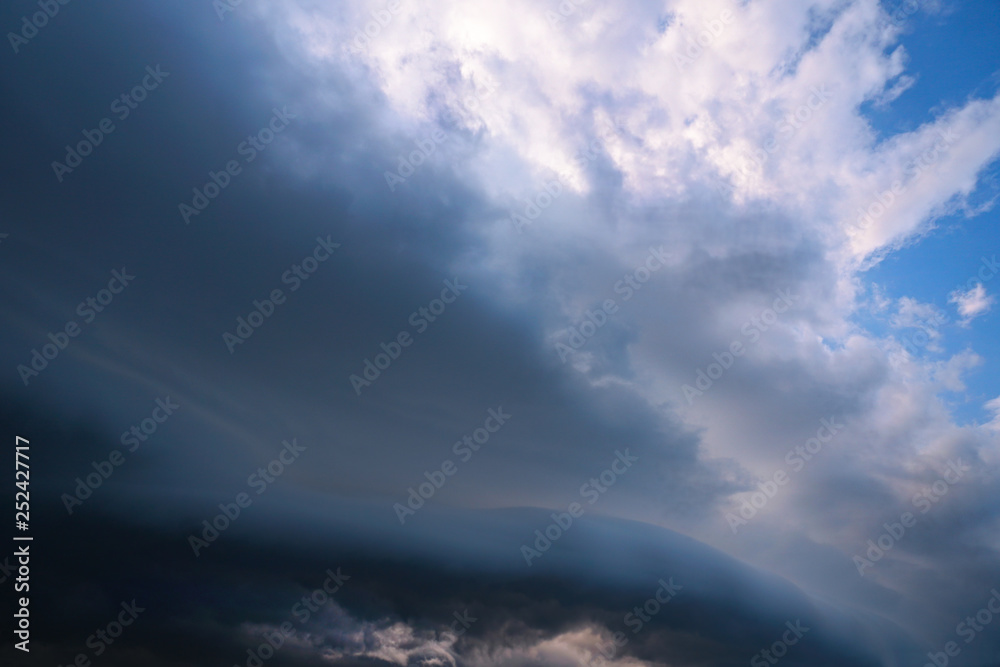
(85, 565)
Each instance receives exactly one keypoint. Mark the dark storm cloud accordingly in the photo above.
(195, 608)
(322, 178)
(161, 336)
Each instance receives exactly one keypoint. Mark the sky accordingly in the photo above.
(640, 334)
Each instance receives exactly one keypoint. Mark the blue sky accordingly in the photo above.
(954, 55)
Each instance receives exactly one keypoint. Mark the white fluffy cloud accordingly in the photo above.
(769, 106)
(972, 303)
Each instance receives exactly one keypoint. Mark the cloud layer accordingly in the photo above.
(661, 216)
